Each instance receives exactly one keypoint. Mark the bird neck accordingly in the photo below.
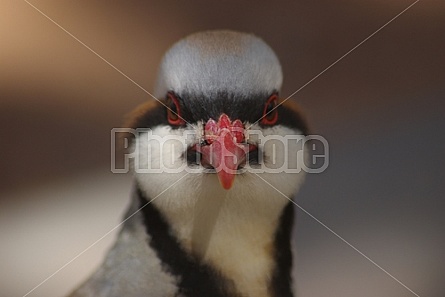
(247, 244)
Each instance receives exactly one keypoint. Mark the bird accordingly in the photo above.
(208, 224)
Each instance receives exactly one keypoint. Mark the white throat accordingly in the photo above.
(232, 230)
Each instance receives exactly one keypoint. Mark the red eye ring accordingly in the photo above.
(173, 110)
(270, 112)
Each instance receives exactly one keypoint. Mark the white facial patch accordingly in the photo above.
(231, 230)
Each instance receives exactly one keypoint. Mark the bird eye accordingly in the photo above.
(270, 113)
(173, 110)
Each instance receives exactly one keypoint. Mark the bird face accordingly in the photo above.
(216, 145)
(219, 100)
(223, 144)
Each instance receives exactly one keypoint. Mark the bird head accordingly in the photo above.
(218, 91)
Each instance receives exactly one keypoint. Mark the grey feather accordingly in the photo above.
(209, 62)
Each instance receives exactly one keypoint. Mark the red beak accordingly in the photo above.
(224, 149)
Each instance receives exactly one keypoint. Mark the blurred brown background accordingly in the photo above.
(381, 108)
